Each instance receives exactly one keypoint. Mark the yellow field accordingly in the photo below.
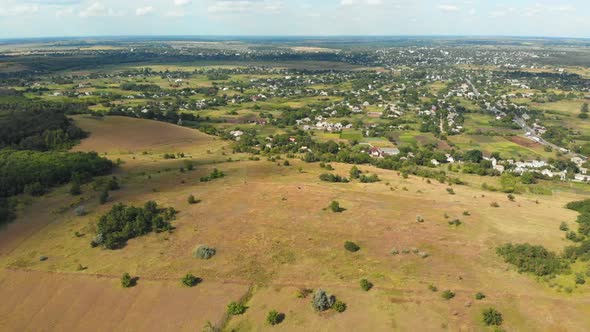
(271, 230)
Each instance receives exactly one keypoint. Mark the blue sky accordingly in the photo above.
(54, 18)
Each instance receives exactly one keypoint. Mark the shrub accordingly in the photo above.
(369, 178)
(419, 219)
(529, 258)
(328, 177)
(432, 288)
(209, 327)
(113, 184)
(563, 227)
(204, 252)
(479, 296)
(366, 285)
(351, 246)
(455, 222)
(127, 281)
(335, 207)
(339, 306)
(450, 191)
(190, 280)
(494, 204)
(322, 301)
(580, 279)
(192, 200)
(75, 189)
(492, 317)
(286, 163)
(355, 173)
(104, 197)
(80, 211)
(235, 308)
(215, 174)
(511, 197)
(447, 294)
(34, 189)
(274, 317)
(303, 293)
(466, 213)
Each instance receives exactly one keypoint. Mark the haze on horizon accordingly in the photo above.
(72, 18)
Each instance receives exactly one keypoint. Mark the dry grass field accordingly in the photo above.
(272, 231)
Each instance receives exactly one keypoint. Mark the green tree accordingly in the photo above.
(355, 173)
(492, 317)
(235, 308)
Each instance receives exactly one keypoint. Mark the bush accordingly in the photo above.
(34, 189)
(563, 227)
(235, 308)
(580, 279)
(455, 222)
(419, 219)
(204, 252)
(113, 184)
(216, 174)
(303, 293)
(339, 306)
(351, 246)
(511, 197)
(190, 280)
(75, 189)
(192, 200)
(494, 204)
(274, 317)
(369, 179)
(355, 172)
(127, 281)
(450, 191)
(432, 288)
(104, 197)
(479, 296)
(335, 207)
(328, 177)
(80, 211)
(447, 294)
(366, 285)
(322, 301)
(492, 317)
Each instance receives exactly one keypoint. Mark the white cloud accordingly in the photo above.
(98, 9)
(448, 8)
(245, 6)
(20, 10)
(181, 2)
(143, 11)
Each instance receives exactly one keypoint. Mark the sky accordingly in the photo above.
(59, 18)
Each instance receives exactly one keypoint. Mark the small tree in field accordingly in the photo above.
(335, 207)
(127, 281)
(339, 306)
(492, 317)
(192, 200)
(190, 280)
(274, 317)
(351, 246)
(235, 308)
(366, 285)
(322, 301)
(448, 294)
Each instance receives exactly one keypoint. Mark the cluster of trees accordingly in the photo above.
(530, 258)
(123, 222)
(38, 171)
(40, 130)
(582, 250)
